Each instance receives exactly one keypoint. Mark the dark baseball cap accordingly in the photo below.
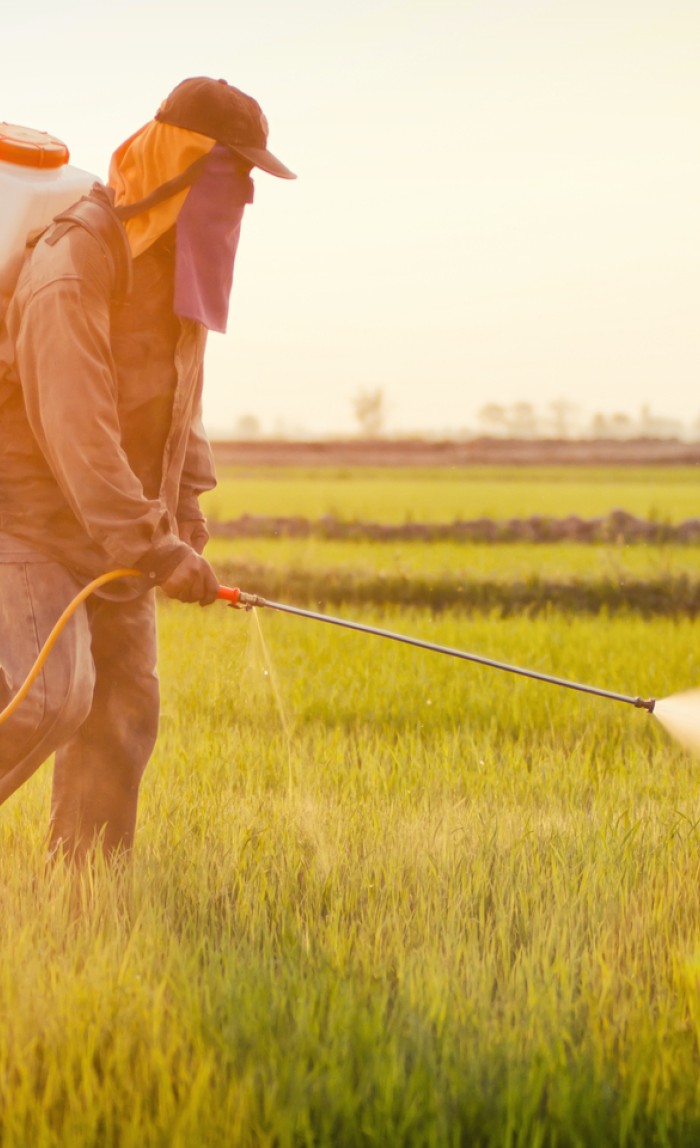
(217, 109)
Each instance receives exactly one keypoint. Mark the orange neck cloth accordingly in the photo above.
(155, 154)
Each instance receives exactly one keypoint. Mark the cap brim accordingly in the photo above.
(265, 160)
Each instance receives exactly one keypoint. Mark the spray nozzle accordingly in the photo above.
(248, 601)
(239, 599)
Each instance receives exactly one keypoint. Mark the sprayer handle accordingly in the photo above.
(229, 594)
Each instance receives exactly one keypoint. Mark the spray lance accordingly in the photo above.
(239, 599)
(680, 714)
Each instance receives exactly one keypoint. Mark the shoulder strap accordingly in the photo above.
(97, 215)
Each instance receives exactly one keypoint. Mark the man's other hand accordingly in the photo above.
(194, 532)
(192, 580)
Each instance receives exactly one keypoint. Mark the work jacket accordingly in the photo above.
(102, 448)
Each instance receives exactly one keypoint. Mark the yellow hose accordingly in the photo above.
(48, 645)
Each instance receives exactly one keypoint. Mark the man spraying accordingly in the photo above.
(102, 451)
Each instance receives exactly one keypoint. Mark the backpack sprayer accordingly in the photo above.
(36, 182)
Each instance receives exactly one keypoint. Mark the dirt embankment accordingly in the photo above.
(475, 452)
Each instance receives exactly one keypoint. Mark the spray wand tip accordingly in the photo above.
(680, 716)
(645, 704)
(248, 601)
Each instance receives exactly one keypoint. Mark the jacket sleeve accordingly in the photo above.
(69, 382)
(198, 472)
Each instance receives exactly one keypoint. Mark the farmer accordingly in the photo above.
(102, 450)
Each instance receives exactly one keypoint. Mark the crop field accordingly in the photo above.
(382, 896)
(443, 494)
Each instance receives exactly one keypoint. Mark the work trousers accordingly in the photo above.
(95, 703)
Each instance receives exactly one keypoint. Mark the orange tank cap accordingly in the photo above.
(31, 148)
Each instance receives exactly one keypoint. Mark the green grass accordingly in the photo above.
(395, 899)
(662, 494)
(382, 896)
(506, 562)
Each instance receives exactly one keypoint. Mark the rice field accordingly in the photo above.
(379, 896)
(506, 562)
(660, 494)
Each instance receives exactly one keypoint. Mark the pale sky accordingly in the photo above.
(498, 200)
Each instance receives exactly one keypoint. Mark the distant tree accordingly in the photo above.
(523, 420)
(599, 425)
(247, 426)
(370, 411)
(494, 418)
(647, 421)
(562, 414)
(658, 426)
(621, 425)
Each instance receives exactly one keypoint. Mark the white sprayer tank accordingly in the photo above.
(36, 183)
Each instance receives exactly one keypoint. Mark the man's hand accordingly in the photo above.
(194, 532)
(192, 580)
